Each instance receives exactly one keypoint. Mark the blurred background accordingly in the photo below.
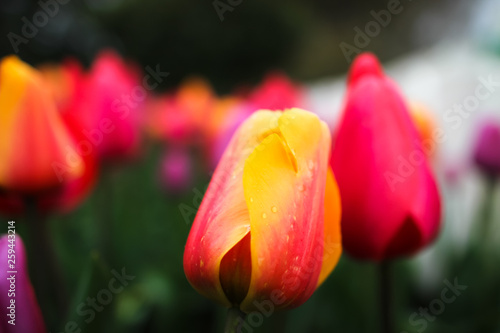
(257, 54)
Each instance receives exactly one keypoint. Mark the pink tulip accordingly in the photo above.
(390, 201)
(17, 292)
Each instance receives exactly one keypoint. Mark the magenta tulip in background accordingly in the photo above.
(28, 317)
(176, 170)
(390, 201)
(487, 149)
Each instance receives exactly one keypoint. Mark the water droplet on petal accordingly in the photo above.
(274, 209)
(264, 215)
(301, 188)
(251, 199)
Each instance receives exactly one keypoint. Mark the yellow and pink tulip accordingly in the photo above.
(268, 226)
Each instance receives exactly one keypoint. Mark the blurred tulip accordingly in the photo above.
(36, 142)
(425, 123)
(264, 230)
(390, 200)
(487, 148)
(44, 165)
(28, 317)
(176, 170)
(110, 108)
(33, 134)
(277, 92)
(181, 117)
(67, 85)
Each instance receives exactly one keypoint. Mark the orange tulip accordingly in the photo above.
(32, 134)
(40, 155)
(263, 231)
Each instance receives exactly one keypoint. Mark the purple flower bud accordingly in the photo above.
(487, 149)
(18, 303)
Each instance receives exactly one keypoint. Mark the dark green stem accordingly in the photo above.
(234, 320)
(107, 216)
(486, 210)
(385, 296)
(45, 273)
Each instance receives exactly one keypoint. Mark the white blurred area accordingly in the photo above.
(440, 77)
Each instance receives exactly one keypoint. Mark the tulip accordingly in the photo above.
(175, 172)
(423, 119)
(110, 108)
(390, 200)
(180, 117)
(33, 136)
(277, 92)
(28, 317)
(38, 150)
(67, 85)
(268, 228)
(487, 148)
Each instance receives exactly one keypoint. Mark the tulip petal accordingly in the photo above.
(284, 186)
(221, 224)
(332, 243)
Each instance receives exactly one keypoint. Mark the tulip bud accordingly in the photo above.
(17, 297)
(268, 226)
(390, 200)
(32, 135)
(487, 149)
(114, 96)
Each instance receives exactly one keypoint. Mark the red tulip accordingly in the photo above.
(277, 92)
(263, 231)
(390, 200)
(28, 317)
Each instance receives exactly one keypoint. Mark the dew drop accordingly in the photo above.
(301, 188)
(274, 209)
(251, 199)
(264, 215)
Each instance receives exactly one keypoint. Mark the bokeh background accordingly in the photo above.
(138, 216)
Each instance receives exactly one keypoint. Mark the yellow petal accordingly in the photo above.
(284, 186)
(332, 237)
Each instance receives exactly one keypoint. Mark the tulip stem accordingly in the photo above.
(385, 296)
(234, 320)
(45, 273)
